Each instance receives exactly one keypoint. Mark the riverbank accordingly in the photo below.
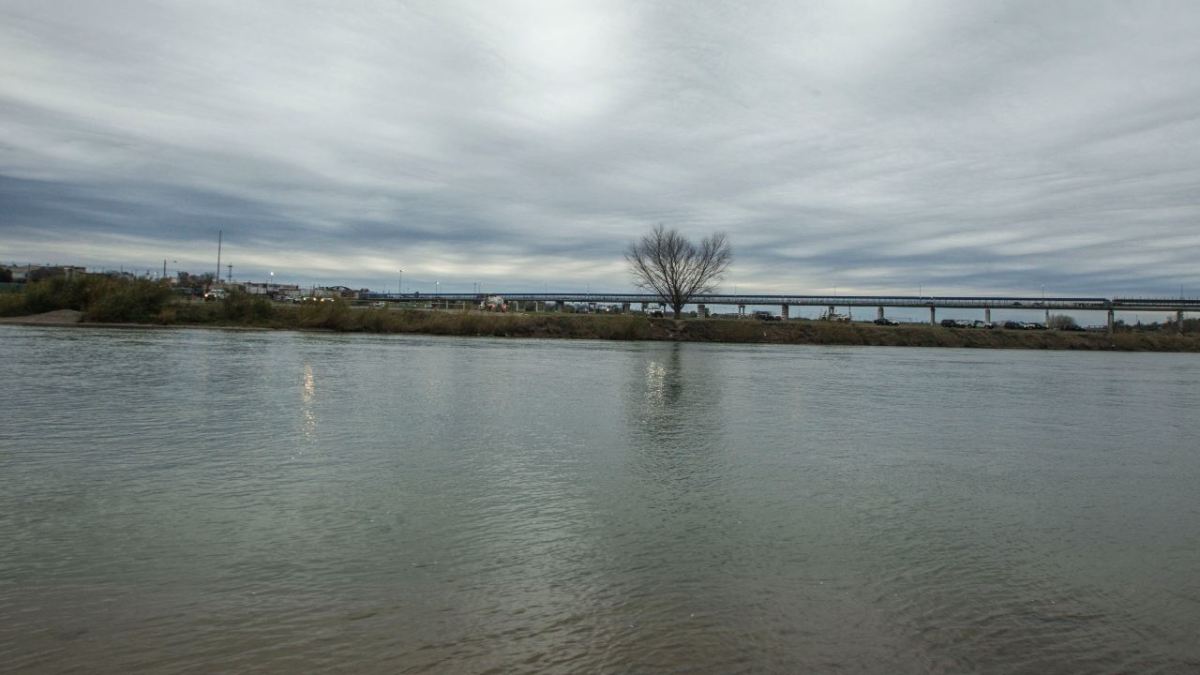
(121, 303)
(343, 318)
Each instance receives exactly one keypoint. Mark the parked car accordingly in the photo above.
(882, 321)
(762, 315)
(1014, 325)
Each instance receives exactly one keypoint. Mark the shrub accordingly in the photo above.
(59, 293)
(335, 315)
(1062, 322)
(118, 300)
(12, 304)
(241, 307)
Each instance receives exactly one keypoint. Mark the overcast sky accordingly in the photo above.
(952, 147)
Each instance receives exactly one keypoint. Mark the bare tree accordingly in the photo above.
(665, 263)
(1062, 322)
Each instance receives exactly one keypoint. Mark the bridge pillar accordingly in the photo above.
(644, 305)
(702, 311)
(741, 310)
(783, 312)
(987, 314)
(624, 307)
(879, 313)
(1047, 316)
(932, 316)
(1179, 321)
(559, 305)
(1111, 322)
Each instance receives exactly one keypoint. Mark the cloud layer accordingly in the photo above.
(874, 146)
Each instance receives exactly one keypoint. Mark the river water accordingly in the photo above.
(205, 501)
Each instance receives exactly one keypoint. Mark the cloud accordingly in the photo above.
(874, 146)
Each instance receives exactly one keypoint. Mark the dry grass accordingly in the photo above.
(818, 332)
(334, 316)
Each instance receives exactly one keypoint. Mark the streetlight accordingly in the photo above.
(401, 282)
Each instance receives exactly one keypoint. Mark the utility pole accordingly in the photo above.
(229, 279)
(219, 233)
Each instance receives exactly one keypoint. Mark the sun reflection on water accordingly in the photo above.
(656, 375)
(308, 394)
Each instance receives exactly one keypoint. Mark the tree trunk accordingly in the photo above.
(678, 310)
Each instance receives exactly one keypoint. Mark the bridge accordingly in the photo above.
(986, 303)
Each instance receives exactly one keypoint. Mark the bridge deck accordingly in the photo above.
(980, 302)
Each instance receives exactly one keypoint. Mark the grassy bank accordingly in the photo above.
(103, 300)
(826, 333)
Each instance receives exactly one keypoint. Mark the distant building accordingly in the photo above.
(272, 290)
(31, 272)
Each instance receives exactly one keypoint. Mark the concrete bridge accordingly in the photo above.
(986, 303)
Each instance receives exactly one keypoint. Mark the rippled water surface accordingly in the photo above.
(204, 501)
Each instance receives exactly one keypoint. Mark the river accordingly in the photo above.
(210, 501)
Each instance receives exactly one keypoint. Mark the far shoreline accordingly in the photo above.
(641, 328)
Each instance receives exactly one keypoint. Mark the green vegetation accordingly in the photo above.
(110, 300)
(100, 298)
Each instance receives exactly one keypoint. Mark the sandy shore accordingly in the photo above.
(59, 317)
(73, 317)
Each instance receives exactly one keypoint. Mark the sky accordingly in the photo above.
(859, 147)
